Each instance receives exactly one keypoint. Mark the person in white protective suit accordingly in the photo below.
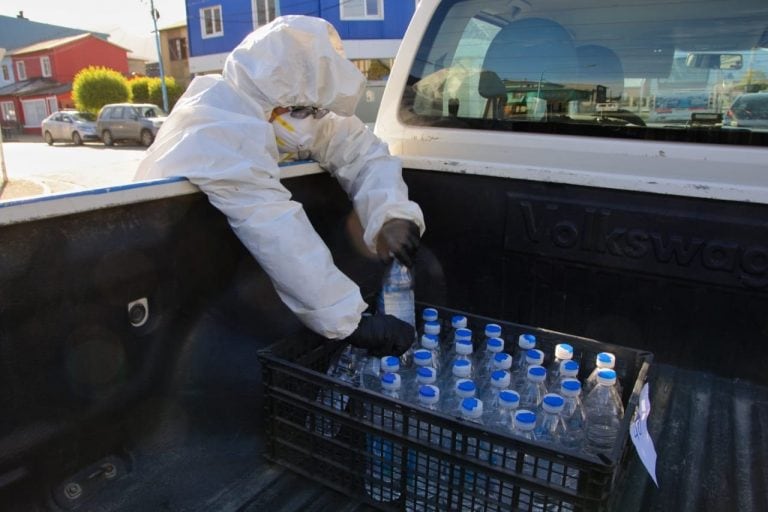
(288, 89)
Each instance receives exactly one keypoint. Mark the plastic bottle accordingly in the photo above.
(533, 357)
(462, 347)
(375, 367)
(550, 427)
(428, 315)
(490, 331)
(603, 361)
(464, 388)
(525, 423)
(573, 415)
(484, 361)
(502, 361)
(525, 342)
(563, 352)
(432, 343)
(397, 299)
(459, 370)
(384, 465)
(533, 390)
(502, 419)
(474, 484)
(421, 358)
(346, 367)
(568, 370)
(457, 322)
(604, 412)
(424, 471)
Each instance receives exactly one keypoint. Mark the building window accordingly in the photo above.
(263, 12)
(6, 73)
(21, 70)
(178, 48)
(362, 10)
(45, 65)
(211, 24)
(9, 111)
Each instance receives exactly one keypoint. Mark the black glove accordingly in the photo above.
(398, 237)
(383, 335)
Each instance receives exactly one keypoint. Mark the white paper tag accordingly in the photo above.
(638, 431)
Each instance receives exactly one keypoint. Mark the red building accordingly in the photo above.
(44, 72)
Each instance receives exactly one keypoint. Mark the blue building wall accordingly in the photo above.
(237, 17)
(237, 20)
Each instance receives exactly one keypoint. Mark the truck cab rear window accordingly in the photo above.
(641, 70)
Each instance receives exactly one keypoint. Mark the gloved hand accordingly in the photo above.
(383, 335)
(398, 237)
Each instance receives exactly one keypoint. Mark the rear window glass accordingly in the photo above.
(641, 70)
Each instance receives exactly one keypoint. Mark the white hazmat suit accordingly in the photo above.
(220, 138)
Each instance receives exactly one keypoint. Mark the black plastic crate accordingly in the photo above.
(439, 462)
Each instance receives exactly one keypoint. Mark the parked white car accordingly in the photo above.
(69, 126)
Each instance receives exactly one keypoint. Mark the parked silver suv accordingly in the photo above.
(129, 121)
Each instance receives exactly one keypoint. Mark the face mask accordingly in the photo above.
(294, 136)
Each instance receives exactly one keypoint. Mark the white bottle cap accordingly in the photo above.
(422, 357)
(492, 330)
(462, 368)
(509, 399)
(537, 373)
(429, 395)
(570, 388)
(458, 321)
(426, 375)
(472, 408)
(465, 388)
(432, 328)
(390, 381)
(526, 341)
(502, 361)
(605, 360)
(494, 345)
(429, 315)
(534, 356)
(606, 377)
(430, 341)
(390, 364)
(500, 379)
(525, 420)
(569, 368)
(463, 334)
(463, 347)
(563, 351)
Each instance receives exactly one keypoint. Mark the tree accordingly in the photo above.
(753, 81)
(140, 89)
(95, 86)
(156, 91)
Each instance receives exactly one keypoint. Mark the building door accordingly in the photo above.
(34, 112)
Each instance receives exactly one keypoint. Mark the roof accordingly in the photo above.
(55, 43)
(20, 32)
(170, 26)
(35, 86)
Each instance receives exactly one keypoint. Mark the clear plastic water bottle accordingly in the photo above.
(603, 361)
(346, 367)
(384, 465)
(484, 361)
(459, 370)
(375, 367)
(397, 299)
(525, 423)
(604, 412)
(474, 483)
(533, 391)
(525, 342)
(491, 331)
(533, 357)
(457, 322)
(421, 358)
(426, 375)
(568, 370)
(502, 419)
(573, 415)
(490, 394)
(502, 361)
(563, 352)
(432, 343)
(424, 471)
(462, 346)
(550, 427)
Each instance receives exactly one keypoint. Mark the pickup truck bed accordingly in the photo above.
(176, 404)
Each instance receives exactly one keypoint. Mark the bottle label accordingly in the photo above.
(638, 431)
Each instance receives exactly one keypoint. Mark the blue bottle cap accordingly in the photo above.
(498, 374)
(422, 357)
(534, 356)
(553, 400)
(458, 321)
(472, 408)
(537, 373)
(606, 376)
(432, 328)
(526, 341)
(429, 314)
(571, 365)
(390, 364)
(427, 391)
(492, 330)
(525, 417)
(425, 372)
(463, 334)
(571, 385)
(461, 362)
(495, 344)
(509, 397)
(466, 385)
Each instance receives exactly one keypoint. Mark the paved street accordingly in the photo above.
(66, 167)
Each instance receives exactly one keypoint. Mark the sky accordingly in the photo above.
(128, 21)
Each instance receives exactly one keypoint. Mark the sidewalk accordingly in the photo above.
(16, 189)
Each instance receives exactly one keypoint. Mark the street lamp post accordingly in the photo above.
(156, 15)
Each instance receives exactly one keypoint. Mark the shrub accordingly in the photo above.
(95, 86)
(156, 91)
(140, 89)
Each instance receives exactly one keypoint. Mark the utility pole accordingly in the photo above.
(3, 171)
(156, 15)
